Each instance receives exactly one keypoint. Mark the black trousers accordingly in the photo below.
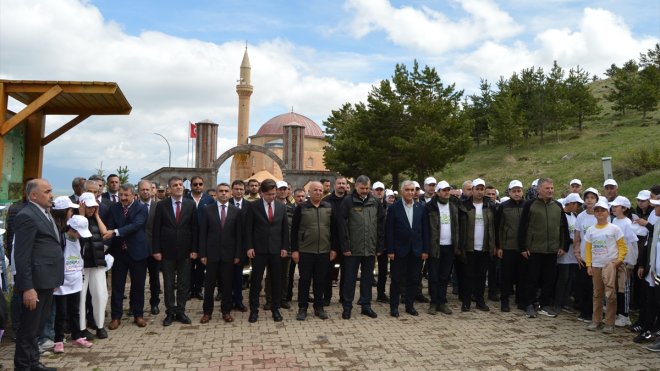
(312, 268)
(510, 273)
(67, 308)
(365, 264)
(138, 270)
(539, 272)
(585, 292)
(334, 274)
(26, 354)
(439, 272)
(153, 267)
(237, 284)
(651, 315)
(259, 264)
(564, 287)
(494, 275)
(176, 270)
(225, 271)
(408, 268)
(383, 262)
(289, 289)
(196, 282)
(283, 277)
(474, 276)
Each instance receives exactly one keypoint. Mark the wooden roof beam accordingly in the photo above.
(29, 109)
(63, 129)
(71, 89)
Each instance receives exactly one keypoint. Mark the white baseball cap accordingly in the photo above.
(644, 195)
(505, 199)
(80, 224)
(621, 201)
(478, 182)
(378, 185)
(88, 199)
(573, 197)
(430, 180)
(416, 184)
(603, 204)
(590, 190)
(535, 182)
(389, 192)
(575, 181)
(442, 185)
(610, 182)
(515, 183)
(654, 202)
(282, 184)
(63, 203)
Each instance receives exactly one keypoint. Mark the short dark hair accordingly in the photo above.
(196, 177)
(111, 176)
(173, 179)
(222, 184)
(300, 190)
(253, 181)
(77, 181)
(95, 177)
(323, 180)
(655, 189)
(239, 182)
(127, 187)
(363, 179)
(267, 185)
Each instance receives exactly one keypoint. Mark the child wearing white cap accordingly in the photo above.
(67, 296)
(584, 283)
(621, 209)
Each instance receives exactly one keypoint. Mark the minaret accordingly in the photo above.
(240, 169)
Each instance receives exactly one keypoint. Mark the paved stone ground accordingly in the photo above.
(461, 341)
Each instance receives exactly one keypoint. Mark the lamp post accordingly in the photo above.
(168, 148)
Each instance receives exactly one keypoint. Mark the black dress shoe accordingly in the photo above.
(168, 320)
(383, 299)
(505, 307)
(465, 307)
(101, 333)
(412, 311)
(41, 367)
(277, 316)
(420, 298)
(369, 312)
(346, 314)
(286, 305)
(155, 310)
(394, 313)
(483, 307)
(254, 316)
(240, 307)
(268, 306)
(181, 317)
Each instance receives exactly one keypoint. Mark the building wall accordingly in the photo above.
(313, 155)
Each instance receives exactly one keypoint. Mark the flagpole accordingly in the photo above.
(188, 150)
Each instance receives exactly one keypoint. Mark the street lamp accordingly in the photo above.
(168, 148)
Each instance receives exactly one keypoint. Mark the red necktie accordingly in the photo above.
(270, 213)
(223, 216)
(177, 215)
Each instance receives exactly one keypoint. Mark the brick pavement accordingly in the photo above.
(461, 341)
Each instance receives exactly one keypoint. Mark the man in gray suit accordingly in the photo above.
(39, 269)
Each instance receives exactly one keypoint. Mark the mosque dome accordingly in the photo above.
(275, 126)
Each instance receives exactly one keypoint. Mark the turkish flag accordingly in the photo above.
(193, 130)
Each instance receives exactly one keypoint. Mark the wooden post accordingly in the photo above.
(34, 151)
(3, 114)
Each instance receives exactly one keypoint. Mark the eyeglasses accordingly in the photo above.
(198, 184)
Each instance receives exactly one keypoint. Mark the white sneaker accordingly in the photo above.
(622, 321)
(46, 346)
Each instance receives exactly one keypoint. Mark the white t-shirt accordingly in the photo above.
(649, 279)
(603, 244)
(478, 227)
(582, 224)
(73, 269)
(569, 257)
(653, 218)
(630, 237)
(445, 224)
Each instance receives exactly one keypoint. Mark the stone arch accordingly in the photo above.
(247, 148)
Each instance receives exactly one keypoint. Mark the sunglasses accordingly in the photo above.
(198, 184)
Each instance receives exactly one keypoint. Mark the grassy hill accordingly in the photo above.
(572, 155)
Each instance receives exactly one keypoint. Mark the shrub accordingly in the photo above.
(638, 162)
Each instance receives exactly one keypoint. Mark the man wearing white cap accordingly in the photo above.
(478, 221)
(507, 220)
(567, 264)
(378, 190)
(429, 189)
(611, 189)
(444, 237)
(542, 237)
(576, 186)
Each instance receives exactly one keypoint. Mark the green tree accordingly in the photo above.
(122, 172)
(478, 111)
(554, 100)
(505, 119)
(624, 80)
(647, 90)
(581, 102)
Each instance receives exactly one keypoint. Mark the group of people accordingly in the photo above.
(531, 247)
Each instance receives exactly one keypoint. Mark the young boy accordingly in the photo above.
(583, 281)
(620, 209)
(605, 251)
(567, 263)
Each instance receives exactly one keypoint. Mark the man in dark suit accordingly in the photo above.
(78, 186)
(112, 195)
(39, 270)
(126, 227)
(267, 242)
(174, 243)
(153, 265)
(237, 192)
(201, 199)
(406, 234)
(220, 249)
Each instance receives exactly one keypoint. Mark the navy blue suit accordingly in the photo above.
(407, 243)
(196, 266)
(130, 250)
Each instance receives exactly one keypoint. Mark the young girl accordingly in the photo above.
(567, 263)
(67, 296)
(584, 283)
(621, 209)
(605, 252)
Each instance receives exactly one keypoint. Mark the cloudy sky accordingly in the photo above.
(179, 61)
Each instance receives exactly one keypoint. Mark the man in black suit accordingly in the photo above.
(39, 270)
(78, 186)
(174, 243)
(153, 265)
(201, 199)
(220, 249)
(113, 184)
(126, 227)
(237, 193)
(267, 242)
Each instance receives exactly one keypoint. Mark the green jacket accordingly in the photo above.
(361, 224)
(312, 228)
(468, 214)
(434, 226)
(543, 227)
(507, 220)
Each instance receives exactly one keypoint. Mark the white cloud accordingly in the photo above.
(430, 31)
(168, 80)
